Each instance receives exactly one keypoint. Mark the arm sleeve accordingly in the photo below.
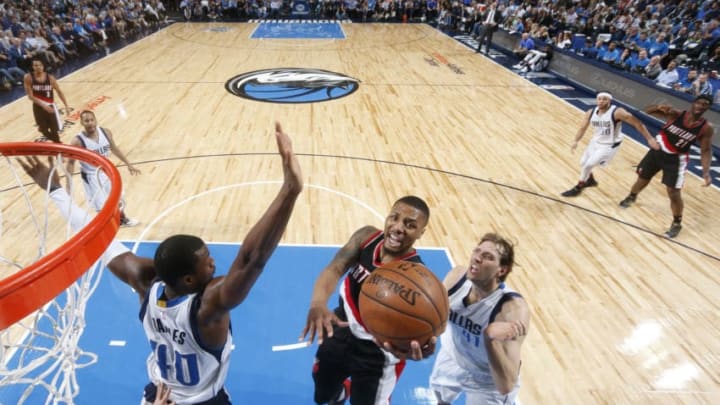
(78, 218)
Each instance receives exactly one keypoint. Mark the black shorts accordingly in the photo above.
(673, 167)
(343, 356)
(47, 123)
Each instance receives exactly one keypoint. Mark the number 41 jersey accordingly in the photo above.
(193, 372)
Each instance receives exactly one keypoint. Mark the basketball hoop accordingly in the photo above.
(42, 304)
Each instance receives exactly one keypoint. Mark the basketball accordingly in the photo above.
(403, 301)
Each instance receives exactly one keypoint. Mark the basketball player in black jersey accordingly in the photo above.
(40, 87)
(682, 129)
(346, 349)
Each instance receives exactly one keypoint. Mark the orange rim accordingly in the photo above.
(32, 287)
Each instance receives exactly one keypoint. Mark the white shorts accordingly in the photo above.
(598, 154)
(448, 381)
(97, 189)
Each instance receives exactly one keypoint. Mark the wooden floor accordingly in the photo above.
(620, 314)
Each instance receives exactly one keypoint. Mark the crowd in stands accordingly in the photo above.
(56, 31)
(356, 10)
(672, 42)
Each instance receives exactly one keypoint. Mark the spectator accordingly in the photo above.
(642, 41)
(535, 60)
(685, 84)
(598, 50)
(701, 86)
(653, 69)
(9, 68)
(564, 40)
(625, 60)
(524, 46)
(669, 76)
(639, 64)
(588, 50)
(659, 47)
(612, 55)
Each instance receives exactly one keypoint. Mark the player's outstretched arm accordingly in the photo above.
(663, 111)
(138, 272)
(625, 116)
(320, 319)
(260, 242)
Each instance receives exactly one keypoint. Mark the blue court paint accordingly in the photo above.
(273, 314)
(298, 30)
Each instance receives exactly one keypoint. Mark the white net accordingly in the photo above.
(40, 354)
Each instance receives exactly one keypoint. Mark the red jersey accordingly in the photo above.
(676, 136)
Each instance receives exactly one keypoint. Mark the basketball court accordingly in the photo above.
(619, 313)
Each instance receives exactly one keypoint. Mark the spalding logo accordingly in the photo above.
(292, 85)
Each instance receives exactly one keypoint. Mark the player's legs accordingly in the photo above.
(491, 397)
(674, 169)
(445, 378)
(647, 168)
(95, 190)
(595, 155)
(44, 120)
(330, 369)
(598, 155)
(676, 202)
(374, 373)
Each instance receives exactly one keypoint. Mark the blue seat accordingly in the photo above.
(578, 42)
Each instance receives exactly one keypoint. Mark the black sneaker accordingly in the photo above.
(575, 191)
(591, 182)
(628, 201)
(674, 230)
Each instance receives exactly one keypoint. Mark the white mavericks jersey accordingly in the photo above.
(101, 147)
(192, 372)
(466, 326)
(606, 130)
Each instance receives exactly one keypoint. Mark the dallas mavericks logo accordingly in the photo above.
(292, 85)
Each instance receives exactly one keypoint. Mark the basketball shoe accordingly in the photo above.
(674, 230)
(628, 201)
(591, 182)
(573, 192)
(127, 222)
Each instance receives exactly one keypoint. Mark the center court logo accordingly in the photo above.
(292, 85)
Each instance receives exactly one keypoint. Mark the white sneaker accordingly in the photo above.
(128, 222)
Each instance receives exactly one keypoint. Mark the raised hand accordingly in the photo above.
(39, 172)
(320, 321)
(291, 166)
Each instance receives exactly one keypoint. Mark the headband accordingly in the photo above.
(605, 94)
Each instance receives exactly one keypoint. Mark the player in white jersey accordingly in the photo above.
(185, 308)
(606, 120)
(96, 184)
(480, 350)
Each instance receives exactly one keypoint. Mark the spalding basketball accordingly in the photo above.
(403, 301)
